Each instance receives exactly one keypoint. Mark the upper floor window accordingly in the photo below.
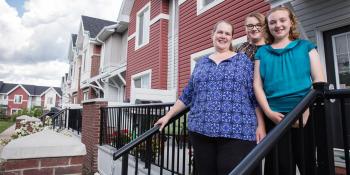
(86, 95)
(4, 97)
(18, 99)
(142, 80)
(50, 100)
(204, 5)
(142, 26)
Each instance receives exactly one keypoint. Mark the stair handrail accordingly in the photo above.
(143, 137)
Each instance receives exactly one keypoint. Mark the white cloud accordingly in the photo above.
(44, 73)
(41, 35)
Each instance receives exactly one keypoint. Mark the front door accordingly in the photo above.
(337, 53)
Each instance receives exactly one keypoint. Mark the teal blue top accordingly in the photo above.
(285, 73)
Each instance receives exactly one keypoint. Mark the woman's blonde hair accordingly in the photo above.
(293, 33)
(227, 22)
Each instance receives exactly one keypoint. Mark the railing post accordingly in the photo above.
(325, 155)
(125, 163)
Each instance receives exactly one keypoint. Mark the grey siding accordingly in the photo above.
(315, 13)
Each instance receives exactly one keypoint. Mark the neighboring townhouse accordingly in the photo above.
(15, 97)
(110, 80)
(84, 56)
(152, 49)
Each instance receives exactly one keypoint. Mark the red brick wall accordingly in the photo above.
(58, 100)
(42, 100)
(95, 65)
(154, 55)
(97, 49)
(11, 96)
(195, 31)
(90, 135)
(44, 166)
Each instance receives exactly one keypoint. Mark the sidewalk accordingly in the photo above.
(7, 134)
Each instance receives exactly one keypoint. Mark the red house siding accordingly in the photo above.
(195, 31)
(11, 96)
(42, 100)
(154, 54)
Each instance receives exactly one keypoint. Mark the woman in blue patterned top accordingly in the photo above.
(222, 123)
(284, 71)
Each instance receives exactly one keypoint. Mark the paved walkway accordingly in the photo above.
(7, 134)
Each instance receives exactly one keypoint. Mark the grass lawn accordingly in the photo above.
(5, 124)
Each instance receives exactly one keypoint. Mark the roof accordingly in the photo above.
(94, 25)
(31, 89)
(58, 90)
(35, 90)
(74, 39)
(7, 87)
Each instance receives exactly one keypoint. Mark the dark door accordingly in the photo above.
(337, 53)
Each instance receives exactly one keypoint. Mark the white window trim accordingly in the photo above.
(133, 77)
(14, 99)
(137, 46)
(17, 109)
(335, 60)
(196, 56)
(181, 2)
(201, 9)
(87, 95)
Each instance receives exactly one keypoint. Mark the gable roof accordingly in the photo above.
(35, 90)
(6, 87)
(94, 25)
(31, 90)
(58, 90)
(74, 39)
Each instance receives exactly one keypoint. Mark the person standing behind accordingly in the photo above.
(222, 122)
(283, 75)
(254, 28)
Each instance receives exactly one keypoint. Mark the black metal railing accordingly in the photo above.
(120, 125)
(45, 115)
(321, 156)
(166, 152)
(74, 119)
(59, 119)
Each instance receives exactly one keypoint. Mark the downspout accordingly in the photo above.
(173, 46)
(103, 44)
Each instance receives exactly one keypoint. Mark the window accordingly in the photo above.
(50, 100)
(86, 95)
(341, 49)
(142, 26)
(18, 99)
(142, 80)
(204, 5)
(14, 111)
(4, 97)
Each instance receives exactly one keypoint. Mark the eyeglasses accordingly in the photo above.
(251, 26)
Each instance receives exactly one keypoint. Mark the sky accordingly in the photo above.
(35, 36)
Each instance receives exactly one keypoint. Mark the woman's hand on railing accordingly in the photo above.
(276, 117)
(162, 122)
(260, 133)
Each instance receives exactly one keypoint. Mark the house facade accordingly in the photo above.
(16, 97)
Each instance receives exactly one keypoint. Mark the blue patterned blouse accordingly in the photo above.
(221, 98)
